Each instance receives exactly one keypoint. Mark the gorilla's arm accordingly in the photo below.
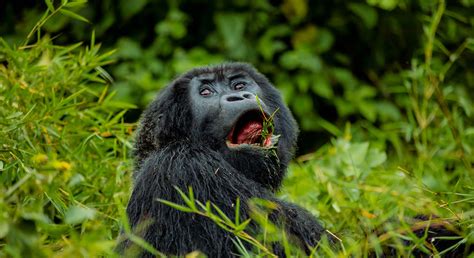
(304, 229)
(213, 179)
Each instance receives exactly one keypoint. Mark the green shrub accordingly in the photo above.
(333, 60)
(64, 167)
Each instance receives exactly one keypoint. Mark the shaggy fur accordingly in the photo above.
(170, 151)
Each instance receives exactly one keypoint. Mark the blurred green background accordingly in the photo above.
(334, 61)
(382, 90)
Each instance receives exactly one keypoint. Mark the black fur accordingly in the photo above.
(170, 151)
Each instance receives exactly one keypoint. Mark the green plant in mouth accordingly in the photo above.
(267, 126)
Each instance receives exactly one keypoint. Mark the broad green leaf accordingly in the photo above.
(130, 8)
(78, 214)
(129, 49)
(376, 158)
(367, 13)
(231, 26)
(321, 86)
(356, 154)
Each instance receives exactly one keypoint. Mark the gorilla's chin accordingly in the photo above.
(260, 164)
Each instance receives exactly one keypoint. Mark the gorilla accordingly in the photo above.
(225, 132)
(204, 130)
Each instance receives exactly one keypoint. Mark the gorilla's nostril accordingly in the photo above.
(234, 98)
(247, 96)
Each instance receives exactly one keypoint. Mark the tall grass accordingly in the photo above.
(64, 167)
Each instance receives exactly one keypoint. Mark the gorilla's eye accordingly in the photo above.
(205, 92)
(239, 85)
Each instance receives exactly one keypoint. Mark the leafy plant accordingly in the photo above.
(63, 156)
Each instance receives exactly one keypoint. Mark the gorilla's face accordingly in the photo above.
(228, 110)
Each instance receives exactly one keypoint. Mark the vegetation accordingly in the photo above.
(382, 91)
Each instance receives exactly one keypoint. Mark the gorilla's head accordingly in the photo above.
(231, 109)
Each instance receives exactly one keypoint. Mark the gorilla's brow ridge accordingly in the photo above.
(238, 75)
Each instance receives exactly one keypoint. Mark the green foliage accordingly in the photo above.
(64, 168)
(358, 194)
(399, 71)
(339, 56)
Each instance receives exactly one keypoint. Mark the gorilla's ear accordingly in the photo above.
(167, 119)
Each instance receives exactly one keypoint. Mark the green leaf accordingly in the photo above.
(231, 26)
(269, 45)
(78, 214)
(188, 200)
(73, 15)
(304, 104)
(208, 208)
(385, 4)
(128, 48)
(321, 86)
(237, 211)
(367, 108)
(76, 3)
(301, 59)
(223, 216)
(145, 245)
(241, 226)
(367, 13)
(15, 115)
(4, 228)
(324, 40)
(50, 5)
(388, 111)
(334, 130)
(376, 157)
(175, 205)
(119, 105)
(357, 153)
(130, 8)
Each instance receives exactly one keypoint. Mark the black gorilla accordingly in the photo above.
(204, 130)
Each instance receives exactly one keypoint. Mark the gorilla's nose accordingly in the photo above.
(238, 96)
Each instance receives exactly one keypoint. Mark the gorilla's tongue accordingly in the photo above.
(249, 133)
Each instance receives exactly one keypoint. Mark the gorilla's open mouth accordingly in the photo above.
(251, 128)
